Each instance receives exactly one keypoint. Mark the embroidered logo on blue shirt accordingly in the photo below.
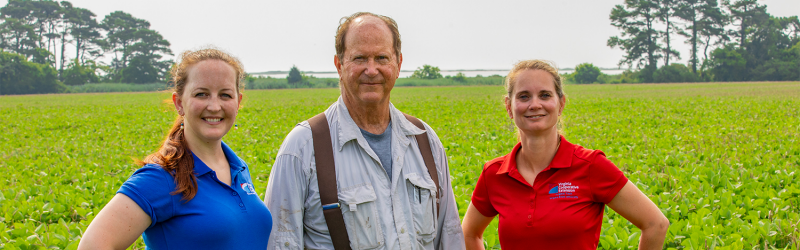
(563, 190)
(248, 188)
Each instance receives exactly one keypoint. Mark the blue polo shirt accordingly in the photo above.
(218, 217)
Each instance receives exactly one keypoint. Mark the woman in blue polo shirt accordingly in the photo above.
(548, 192)
(193, 192)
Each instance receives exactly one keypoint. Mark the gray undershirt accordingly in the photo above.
(382, 145)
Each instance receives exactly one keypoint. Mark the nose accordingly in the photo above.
(214, 104)
(535, 104)
(372, 68)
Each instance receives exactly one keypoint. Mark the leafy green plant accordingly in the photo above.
(720, 160)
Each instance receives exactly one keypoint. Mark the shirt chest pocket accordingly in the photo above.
(422, 197)
(361, 217)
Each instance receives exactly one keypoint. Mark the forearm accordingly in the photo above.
(652, 238)
(474, 242)
(284, 196)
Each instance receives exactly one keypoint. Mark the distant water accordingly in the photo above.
(468, 73)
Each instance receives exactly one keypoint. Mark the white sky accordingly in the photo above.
(463, 34)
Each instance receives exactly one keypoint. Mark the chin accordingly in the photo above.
(214, 136)
(371, 97)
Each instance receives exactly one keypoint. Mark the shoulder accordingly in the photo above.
(150, 181)
(151, 174)
(431, 133)
(152, 170)
(593, 161)
(297, 141)
(586, 156)
(494, 164)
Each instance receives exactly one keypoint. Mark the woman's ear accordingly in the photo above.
(178, 103)
(508, 107)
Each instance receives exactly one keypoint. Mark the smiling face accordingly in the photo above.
(369, 66)
(210, 101)
(534, 105)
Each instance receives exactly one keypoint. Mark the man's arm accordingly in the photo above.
(285, 195)
(449, 234)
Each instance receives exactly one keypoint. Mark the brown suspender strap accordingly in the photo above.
(326, 177)
(427, 155)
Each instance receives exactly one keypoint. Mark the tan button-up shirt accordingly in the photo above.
(381, 210)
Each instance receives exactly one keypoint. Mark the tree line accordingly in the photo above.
(46, 45)
(729, 41)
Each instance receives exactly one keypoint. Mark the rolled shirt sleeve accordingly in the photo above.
(449, 234)
(285, 194)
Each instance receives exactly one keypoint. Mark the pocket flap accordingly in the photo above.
(358, 194)
(419, 181)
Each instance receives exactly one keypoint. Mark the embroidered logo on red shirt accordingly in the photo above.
(563, 190)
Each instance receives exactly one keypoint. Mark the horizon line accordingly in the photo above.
(448, 70)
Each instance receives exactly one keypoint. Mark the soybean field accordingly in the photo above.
(721, 160)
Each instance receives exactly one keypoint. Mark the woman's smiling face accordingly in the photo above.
(535, 106)
(210, 101)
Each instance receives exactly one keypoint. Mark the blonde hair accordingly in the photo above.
(547, 66)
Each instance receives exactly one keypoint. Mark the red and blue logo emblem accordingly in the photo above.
(248, 188)
(563, 190)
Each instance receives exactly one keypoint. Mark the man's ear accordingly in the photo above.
(338, 64)
(399, 63)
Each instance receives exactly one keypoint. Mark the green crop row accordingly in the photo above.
(720, 160)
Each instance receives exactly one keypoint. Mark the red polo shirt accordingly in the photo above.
(564, 207)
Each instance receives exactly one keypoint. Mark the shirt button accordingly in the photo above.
(286, 244)
(234, 193)
(417, 231)
(403, 230)
(242, 205)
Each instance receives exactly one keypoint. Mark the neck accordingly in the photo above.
(372, 117)
(209, 152)
(537, 150)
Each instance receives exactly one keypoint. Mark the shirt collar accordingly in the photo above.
(348, 130)
(200, 167)
(562, 159)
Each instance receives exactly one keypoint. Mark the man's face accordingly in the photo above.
(369, 67)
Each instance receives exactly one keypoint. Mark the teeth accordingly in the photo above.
(213, 119)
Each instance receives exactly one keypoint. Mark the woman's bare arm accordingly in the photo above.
(634, 205)
(473, 226)
(117, 226)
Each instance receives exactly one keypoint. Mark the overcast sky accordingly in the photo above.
(462, 34)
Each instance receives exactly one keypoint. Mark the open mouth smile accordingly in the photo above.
(534, 116)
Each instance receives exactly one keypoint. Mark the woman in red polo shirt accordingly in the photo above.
(550, 193)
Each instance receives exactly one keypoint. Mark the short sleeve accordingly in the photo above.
(605, 178)
(150, 187)
(480, 196)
